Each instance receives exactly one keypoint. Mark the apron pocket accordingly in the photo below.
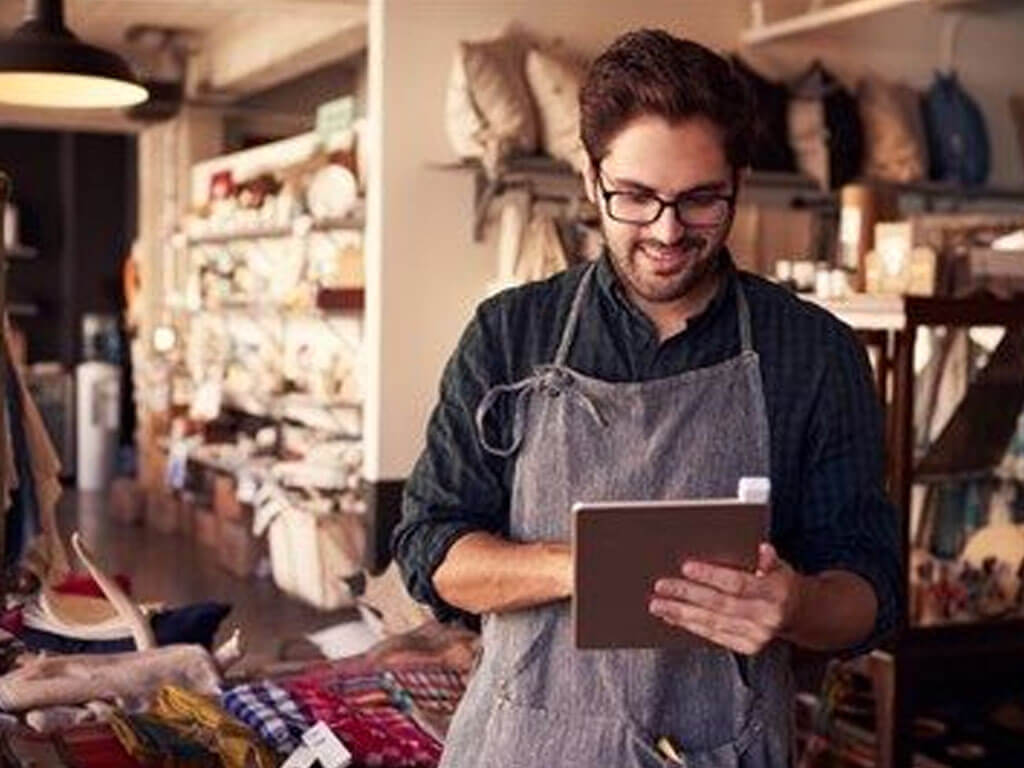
(526, 737)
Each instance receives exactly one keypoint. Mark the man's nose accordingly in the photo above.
(666, 228)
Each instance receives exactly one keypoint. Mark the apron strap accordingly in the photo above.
(569, 333)
(521, 389)
(743, 318)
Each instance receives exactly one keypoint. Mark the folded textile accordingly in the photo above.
(86, 586)
(268, 709)
(152, 741)
(203, 718)
(95, 746)
(379, 735)
(49, 681)
(87, 618)
(436, 689)
(61, 718)
(26, 750)
(191, 625)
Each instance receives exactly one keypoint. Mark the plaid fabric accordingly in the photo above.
(94, 745)
(437, 689)
(270, 711)
(377, 734)
(829, 510)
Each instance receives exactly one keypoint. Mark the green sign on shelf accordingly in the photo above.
(335, 116)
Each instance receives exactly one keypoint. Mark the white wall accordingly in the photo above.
(424, 273)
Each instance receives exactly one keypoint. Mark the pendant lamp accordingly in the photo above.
(43, 64)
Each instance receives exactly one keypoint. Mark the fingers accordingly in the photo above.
(730, 581)
(705, 597)
(764, 613)
(767, 559)
(737, 634)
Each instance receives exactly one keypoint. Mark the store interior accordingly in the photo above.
(228, 307)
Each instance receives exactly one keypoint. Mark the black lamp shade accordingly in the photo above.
(42, 64)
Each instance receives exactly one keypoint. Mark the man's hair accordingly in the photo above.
(650, 72)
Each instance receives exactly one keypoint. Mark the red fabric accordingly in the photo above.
(368, 724)
(84, 584)
(11, 621)
(96, 746)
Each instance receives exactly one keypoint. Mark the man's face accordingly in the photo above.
(661, 262)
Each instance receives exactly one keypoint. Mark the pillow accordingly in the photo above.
(894, 143)
(555, 83)
(958, 141)
(771, 150)
(497, 90)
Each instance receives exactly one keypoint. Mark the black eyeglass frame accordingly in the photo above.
(609, 194)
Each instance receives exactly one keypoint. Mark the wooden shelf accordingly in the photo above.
(965, 639)
(851, 10)
(327, 301)
(346, 224)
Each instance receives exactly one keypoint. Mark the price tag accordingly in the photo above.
(326, 747)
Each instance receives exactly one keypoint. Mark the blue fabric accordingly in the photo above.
(270, 711)
(957, 138)
(194, 624)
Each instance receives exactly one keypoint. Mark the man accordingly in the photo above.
(659, 372)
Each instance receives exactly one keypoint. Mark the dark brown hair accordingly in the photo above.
(649, 71)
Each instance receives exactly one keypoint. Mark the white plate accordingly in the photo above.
(332, 192)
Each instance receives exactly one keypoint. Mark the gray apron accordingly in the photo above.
(537, 702)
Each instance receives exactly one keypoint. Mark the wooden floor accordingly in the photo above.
(177, 570)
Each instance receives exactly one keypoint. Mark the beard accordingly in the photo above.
(660, 273)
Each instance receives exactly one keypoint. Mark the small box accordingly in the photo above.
(162, 511)
(207, 527)
(127, 501)
(238, 549)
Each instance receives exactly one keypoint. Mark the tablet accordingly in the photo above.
(621, 548)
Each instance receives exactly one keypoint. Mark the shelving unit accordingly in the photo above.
(926, 655)
(841, 13)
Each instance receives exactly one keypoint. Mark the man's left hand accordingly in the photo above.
(738, 610)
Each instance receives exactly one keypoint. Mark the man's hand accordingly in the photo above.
(735, 609)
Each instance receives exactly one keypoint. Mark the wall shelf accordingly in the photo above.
(346, 224)
(840, 13)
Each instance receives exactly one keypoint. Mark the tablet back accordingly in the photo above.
(621, 548)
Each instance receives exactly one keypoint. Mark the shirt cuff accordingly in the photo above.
(432, 542)
(888, 594)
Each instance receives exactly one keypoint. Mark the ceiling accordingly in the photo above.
(105, 21)
(235, 48)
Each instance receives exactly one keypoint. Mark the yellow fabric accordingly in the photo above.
(237, 746)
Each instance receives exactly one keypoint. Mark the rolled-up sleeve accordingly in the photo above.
(455, 487)
(846, 521)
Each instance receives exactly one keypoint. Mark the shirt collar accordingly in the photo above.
(611, 288)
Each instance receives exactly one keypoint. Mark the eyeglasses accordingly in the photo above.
(641, 207)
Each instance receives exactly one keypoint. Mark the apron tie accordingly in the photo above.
(553, 380)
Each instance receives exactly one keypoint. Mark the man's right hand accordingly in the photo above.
(483, 573)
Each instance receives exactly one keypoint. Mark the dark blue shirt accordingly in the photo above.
(829, 510)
